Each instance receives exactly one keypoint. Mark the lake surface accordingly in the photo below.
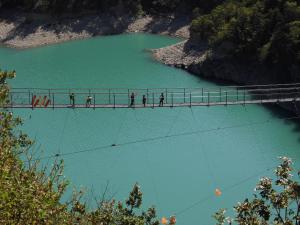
(215, 146)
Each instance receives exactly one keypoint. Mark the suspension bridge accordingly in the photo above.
(152, 97)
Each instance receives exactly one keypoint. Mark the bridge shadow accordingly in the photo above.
(279, 113)
(286, 110)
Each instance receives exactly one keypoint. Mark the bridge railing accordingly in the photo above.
(172, 96)
(117, 90)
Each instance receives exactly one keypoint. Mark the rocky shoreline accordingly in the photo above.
(202, 61)
(32, 30)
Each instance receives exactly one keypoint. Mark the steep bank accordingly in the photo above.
(203, 61)
(31, 30)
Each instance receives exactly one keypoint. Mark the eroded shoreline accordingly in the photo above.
(33, 30)
(23, 31)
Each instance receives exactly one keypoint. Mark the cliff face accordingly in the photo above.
(204, 62)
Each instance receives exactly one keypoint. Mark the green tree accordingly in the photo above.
(276, 202)
(32, 194)
(265, 31)
(27, 196)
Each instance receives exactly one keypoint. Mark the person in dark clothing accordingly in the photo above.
(72, 99)
(161, 100)
(144, 100)
(132, 99)
(88, 101)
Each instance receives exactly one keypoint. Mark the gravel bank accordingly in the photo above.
(32, 30)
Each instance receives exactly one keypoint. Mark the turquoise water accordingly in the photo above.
(178, 174)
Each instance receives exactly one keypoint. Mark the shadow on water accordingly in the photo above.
(95, 25)
(84, 167)
(287, 110)
(279, 113)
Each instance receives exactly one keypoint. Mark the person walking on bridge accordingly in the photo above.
(132, 100)
(161, 100)
(144, 100)
(72, 99)
(89, 101)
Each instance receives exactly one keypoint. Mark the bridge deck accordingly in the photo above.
(193, 104)
(172, 97)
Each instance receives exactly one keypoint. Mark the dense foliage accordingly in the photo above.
(31, 194)
(264, 30)
(276, 202)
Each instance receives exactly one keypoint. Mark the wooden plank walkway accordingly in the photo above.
(139, 106)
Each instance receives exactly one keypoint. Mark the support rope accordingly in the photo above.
(165, 137)
(228, 188)
(63, 132)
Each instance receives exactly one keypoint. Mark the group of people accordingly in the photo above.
(144, 100)
(132, 98)
(88, 101)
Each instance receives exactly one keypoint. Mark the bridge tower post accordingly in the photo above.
(202, 95)
(94, 101)
(244, 97)
(109, 98)
(190, 99)
(153, 100)
(226, 98)
(29, 99)
(114, 100)
(172, 100)
(184, 95)
(53, 101)
(32, 103)
(220, 95)
(147, 95)
(208, 98)
(128, 96)
(167, 95)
